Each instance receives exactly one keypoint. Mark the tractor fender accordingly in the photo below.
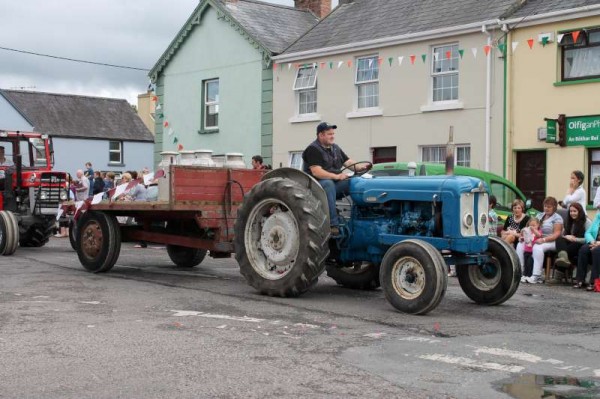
(303, 179)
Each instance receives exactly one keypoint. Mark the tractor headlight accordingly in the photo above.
(63, 195)
(468, 220)
(483, 219)
(43, 195)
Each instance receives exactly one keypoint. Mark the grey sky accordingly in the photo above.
(122, 32)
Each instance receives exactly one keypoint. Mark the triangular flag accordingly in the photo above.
(340, 63)
(559, 37)
(179, 147)
(544, 41)
(161, 115)
(175, 140)
(423, 57)
(412, 59)
(530, 43)
(448, 55)
(379, 60)
(158, 107)
(370, 62)
(390, 60)
(436, 56)
(474, 51)
(159, 173)
(132, 184)
(110, 193)
(322, 65)
(502, 47)
(289, 66)
(154, 98)
(170, 131)
(514, 46)
(349, 63)
(575, 36)
(400, 59)
(166, 124)
(274, 66)
(486, 49)
(461, 52)
(330, 65)
(97, 198)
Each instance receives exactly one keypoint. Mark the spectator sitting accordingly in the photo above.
(109, 181)
(515, 223)
(589, 254)
(569, 244)
(529, 235)
(98, 183)
(135, 193)
(257, 163)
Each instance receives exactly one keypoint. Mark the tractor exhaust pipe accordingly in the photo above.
(450, 153)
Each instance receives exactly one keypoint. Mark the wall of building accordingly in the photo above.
(213, 50)
(403, 91)
(72, 154)
(145, 109)
(533, 95)
(11, 119)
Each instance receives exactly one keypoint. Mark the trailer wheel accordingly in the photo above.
(73, 234)
(38, 234)
(281, 237)
(413, 276)
(9, 241)
(184, 256)
(359, 276)
(98, 241)
(495, 281)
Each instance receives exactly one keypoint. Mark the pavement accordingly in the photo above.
(149, 329)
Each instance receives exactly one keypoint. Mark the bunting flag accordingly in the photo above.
(544, 41)
(340, 63)
(330, 65)
(60, 211)
(349, 63)
(448, 55)
(166, 124)
(179, 147)
(120, 189)
(379, 61)
(161, 115)
(423, 57)
(96, 199)
(474, 51)
(514, 46)
(530, 43)
(461, 52)
(322, 65)
(289, 66)
(502, 47)
(559, 37)
(390, 60)
(274, 66)
(486, 49)
(436, 56)
(154, 98)
(175, 140)
(170, 131)
(412, 59)
(158, 107)
(110, 193)
(131, 184)
(159, 173)
(400, 59)
(575, 36)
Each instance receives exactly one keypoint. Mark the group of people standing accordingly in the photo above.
(573, 236)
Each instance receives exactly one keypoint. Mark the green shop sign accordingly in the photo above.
(551, 131)
(583, 130)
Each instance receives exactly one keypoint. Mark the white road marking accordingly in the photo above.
(526, 357)
(375, 335)
(303, 325)
(91, 302)
(420, 339)
(185, 313)
(597, 373)
(463, 361)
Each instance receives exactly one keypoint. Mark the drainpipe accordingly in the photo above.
(488, 101)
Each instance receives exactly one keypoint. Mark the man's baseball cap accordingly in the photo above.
(324, 126)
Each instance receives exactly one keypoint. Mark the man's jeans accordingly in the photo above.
(334, 190)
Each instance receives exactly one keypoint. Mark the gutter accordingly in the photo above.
(579, 12)
(387, 41)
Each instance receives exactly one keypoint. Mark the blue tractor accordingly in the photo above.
(399, 233)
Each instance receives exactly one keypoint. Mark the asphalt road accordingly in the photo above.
(148, 329)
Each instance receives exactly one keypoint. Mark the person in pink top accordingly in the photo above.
(529, 235)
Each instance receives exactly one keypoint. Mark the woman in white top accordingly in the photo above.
(575, 193)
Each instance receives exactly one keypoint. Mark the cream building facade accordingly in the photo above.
(545, 81)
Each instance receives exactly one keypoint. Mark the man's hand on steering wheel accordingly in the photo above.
(359, 168)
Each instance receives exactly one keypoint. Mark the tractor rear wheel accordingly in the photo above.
(98, 241)
(281, 237)
(9, 233)
(358, 276)
(38, 234)
(413, 276)
(184, 256)
(495, 281)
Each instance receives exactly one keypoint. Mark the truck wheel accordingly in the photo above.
(9, 242)
(38, 234)
(359, 276)
(413, 276)
(497, 280)
(184, 256)
(98, 241)
(281, 237)
(73, 234)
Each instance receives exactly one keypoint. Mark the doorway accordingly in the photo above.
(531, 176)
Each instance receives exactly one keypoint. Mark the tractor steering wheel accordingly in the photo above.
(362, 172)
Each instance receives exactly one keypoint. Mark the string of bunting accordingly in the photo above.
(166, 125)
(487, 49)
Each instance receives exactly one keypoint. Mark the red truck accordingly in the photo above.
(30, 191)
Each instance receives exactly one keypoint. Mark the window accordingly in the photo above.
(115, 152)
(445, 73)
(594, 173)
(367, 82)
(211, 104)
(306, 89)
(296, 160)
(504, 196)
(437, 154)
(384, 154)
(581, 59)
(39, 148)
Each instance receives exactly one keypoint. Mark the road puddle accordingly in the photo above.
(532, 386)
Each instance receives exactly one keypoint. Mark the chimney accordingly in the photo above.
(318, 7)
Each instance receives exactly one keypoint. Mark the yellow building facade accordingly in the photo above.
(549, 74)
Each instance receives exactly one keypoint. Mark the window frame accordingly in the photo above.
(360, 83)
(306, 90)
(206, 104)
(584, 38)
(443, 147)
(592, 176)
(291, 159)
(434, 74)
(119, 151)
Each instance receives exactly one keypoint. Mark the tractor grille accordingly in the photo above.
(48, 195)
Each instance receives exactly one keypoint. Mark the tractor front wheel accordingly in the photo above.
(98, 241)
(413, 276)
(9, 233)
(358, 276)
(495, 281)
(281, 237)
